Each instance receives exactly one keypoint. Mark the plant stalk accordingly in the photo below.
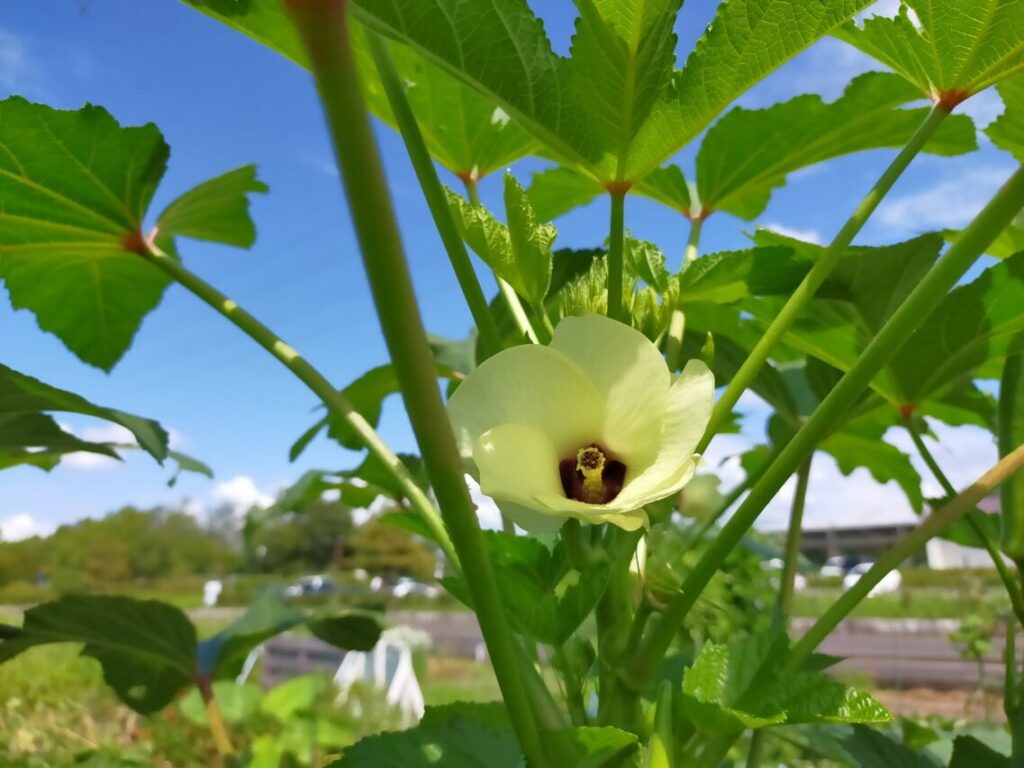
(1011, 429)
(426, 173)
(904, 548)
(323, 27)
(616, 248)
(921, 302)
(826, 262)
(677, 323)
(333, 399)
(219, 731)
(1010, 580)
(794, 536)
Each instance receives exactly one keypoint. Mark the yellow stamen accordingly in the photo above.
(590, 462)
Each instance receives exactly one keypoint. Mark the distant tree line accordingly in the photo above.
(133, 545)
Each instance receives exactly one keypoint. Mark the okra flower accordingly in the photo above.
(591, 427)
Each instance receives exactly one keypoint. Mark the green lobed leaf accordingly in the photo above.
(746, 41)
(852, 448)
(457, 735)
(623, 56)
(521, 253)
(530, 243)
(74, 187)
(733, 275)
(501, 50)
(558, 190)
(748, 153)
(21, 394)
(1009, 242)
(977, 323)
(147, 649)
(1007, 130)
(26, 433)
(216, 210)
(645, 261)
(733, 687)
(544, 597)
(959, 48)
(668, 186)
(592, 748)
(463, 129)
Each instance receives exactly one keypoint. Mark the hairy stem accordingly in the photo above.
(426, 173)
(616, 248)
(334, 400)
(921, 302)
(1010, 580)
(677, 323)
(895, 555)
(826, 262)
(1011, 503)
(323, 27)
(793, 537)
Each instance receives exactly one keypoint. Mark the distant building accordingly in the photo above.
(867, 543)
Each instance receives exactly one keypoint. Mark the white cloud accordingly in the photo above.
(241, 494)
(108, 433)
(983, 108)
(951, 202)
(23, 526)
(808, 235)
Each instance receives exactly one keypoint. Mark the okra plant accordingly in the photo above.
(586, 395)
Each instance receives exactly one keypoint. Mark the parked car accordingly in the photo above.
(407, 586)
(310, 585)
(890, 582)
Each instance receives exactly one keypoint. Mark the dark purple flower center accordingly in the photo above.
(591, 476)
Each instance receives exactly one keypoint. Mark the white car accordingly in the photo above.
(889, 584)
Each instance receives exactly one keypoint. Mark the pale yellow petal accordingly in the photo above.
(690, 400)
(516, 463)
(532, 385)
(629, 373)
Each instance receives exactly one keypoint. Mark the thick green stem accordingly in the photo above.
(334, 400)
(826, 262)
(323, 26)
(895, 555)
(793, 537)
(921, 302)
(1013, 707)
(1009, 579)
(756, 749)
(426, 173)
(515, 306)
(677, 323)
(1011, 431)
(616, 249)
(617, 705)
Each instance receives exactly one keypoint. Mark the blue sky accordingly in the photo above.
(222, 101)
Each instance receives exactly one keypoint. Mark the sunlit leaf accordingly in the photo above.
(951, 49)
(644, 260)
(1007, 130)
(463, 129)
(748, 153)
(733, 275)
(74, 187)
(216, 210)
(746, 41)
(559, 190)
(732, 687)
